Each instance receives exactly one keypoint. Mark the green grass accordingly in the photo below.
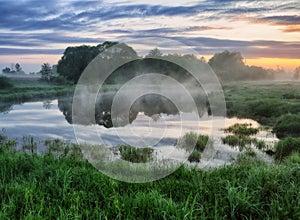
(136, 155)
(48, 187)
(25, 89)
(286, 147)
(264, 102)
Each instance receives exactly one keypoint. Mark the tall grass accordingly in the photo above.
(47, 187)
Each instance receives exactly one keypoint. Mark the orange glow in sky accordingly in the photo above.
(274, 63)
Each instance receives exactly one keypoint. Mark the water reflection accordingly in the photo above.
(151, 105)
(5, 107)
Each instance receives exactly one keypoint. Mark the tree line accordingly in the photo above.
(228, 66)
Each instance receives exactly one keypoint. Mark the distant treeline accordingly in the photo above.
(229, 66)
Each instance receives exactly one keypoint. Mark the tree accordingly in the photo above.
(6, 70)
(76, 59)
(230, 66)
(155, 53)
(18, 67)
(46, 72)
(297, 73)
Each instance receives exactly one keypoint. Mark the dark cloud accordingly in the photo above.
(282, 19)
(81, 15)
(205, 28)
(58, 17)
(141, 10)
(14, 51)
(249, 49)
(32, 40)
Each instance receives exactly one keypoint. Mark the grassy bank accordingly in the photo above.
(264, 102)
(45, 187)
(25, 89)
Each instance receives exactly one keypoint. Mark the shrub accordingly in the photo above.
(286, 147)
(5, 83)
(135, 154)
(287, 125)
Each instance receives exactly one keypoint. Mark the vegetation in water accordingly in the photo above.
(136, 154)
(241, 136)
(194, 144)
(242, 130)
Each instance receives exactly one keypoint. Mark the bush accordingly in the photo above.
(287, 125)
(5, 83)
(286, 147)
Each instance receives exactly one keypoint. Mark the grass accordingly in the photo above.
(47, 187)
(287, 125)
(264, 102)
(286, 147)
(136, 155)
(25, 89)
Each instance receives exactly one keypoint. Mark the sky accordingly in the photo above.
(266, 32)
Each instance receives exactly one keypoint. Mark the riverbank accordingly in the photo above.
(32, 88)
(262, 101)
(47, 187)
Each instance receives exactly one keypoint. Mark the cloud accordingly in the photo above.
(15, 51)
(64, 22)
(250, 49)
(205, 28)
(39, 40)
(282, 19)
(292, 28)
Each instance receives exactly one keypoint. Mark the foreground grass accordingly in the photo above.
(45, 187)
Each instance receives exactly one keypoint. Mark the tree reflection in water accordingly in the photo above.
(151, 105)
